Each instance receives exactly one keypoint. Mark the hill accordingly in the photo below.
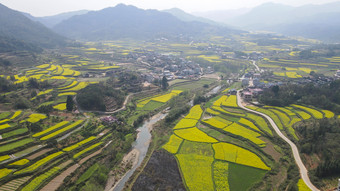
(51, 21)
(125, 21)
(311, 21)
(19, 32)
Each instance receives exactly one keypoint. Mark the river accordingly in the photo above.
(141, 145)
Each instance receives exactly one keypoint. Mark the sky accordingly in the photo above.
(53, 7)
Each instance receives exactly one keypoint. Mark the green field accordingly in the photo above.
(14, 145)
(243, 177)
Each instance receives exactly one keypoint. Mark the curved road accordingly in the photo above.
(302, 168)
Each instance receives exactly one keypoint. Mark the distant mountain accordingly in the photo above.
(18, 32)
(125, 21)
(311, 21)
(184, 16)
(51, 21)
(222, 16)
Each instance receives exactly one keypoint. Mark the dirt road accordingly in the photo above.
(302, 168)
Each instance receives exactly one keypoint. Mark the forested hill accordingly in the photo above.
(125, 21)
(17, 32)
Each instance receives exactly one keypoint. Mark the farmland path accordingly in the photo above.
(302, 168)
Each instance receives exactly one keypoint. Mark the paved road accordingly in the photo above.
(302, 168)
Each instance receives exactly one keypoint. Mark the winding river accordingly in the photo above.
(141, 145)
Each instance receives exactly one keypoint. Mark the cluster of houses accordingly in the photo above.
(109, 119)
(170, 66)
(337, 75)
(256, 88)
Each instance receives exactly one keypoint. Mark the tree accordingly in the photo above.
(165, 84)
(276, 89)
(69, 103)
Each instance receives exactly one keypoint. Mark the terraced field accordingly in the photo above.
(203, 159)
(154, 102)
(22, 153)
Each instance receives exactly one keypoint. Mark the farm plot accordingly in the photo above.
(195, 113)
(20, 162)
(212, 112)
(165, 98)
(173, 145)
(4, 115)
(241, 131)
(56, 126)
(35, 117)
(79, 144)
(59, 132)
(248, 123)
(196, 171)
(13, 145)
(220, 101)
(14, 133)
(79, 86)
(194, 134)
(3, 158)
(4, 126)
(16, 114)
(231, 101)
(235, 154)
(156, 101)
(243, 177)
(221, 175)
(273, 116)
(185, 123)
(215, 123)
(316, 114)
(223, 111)
(61, 106)
(302, 186)
(35, 183)
(328, 114)
(87, 150)
(303, 114)
(39, 163)
(4, 172)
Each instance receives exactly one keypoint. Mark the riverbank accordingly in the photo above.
(135, 157)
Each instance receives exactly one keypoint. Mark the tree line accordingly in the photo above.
(326, 96)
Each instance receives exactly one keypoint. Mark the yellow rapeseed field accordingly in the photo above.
(233, 153)
(20, 162)
(195, 112)
(173, 145)
(60, 107)
(239, 130)
(231, 101)
(196, 171)
(302, 186)
(185, 123)
(316, 114)
(215, 123)
(194, 134)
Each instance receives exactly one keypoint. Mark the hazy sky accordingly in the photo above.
(52, 7)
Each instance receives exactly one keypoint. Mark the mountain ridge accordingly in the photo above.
(127, 21)
(51, 21)
(18, 29)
